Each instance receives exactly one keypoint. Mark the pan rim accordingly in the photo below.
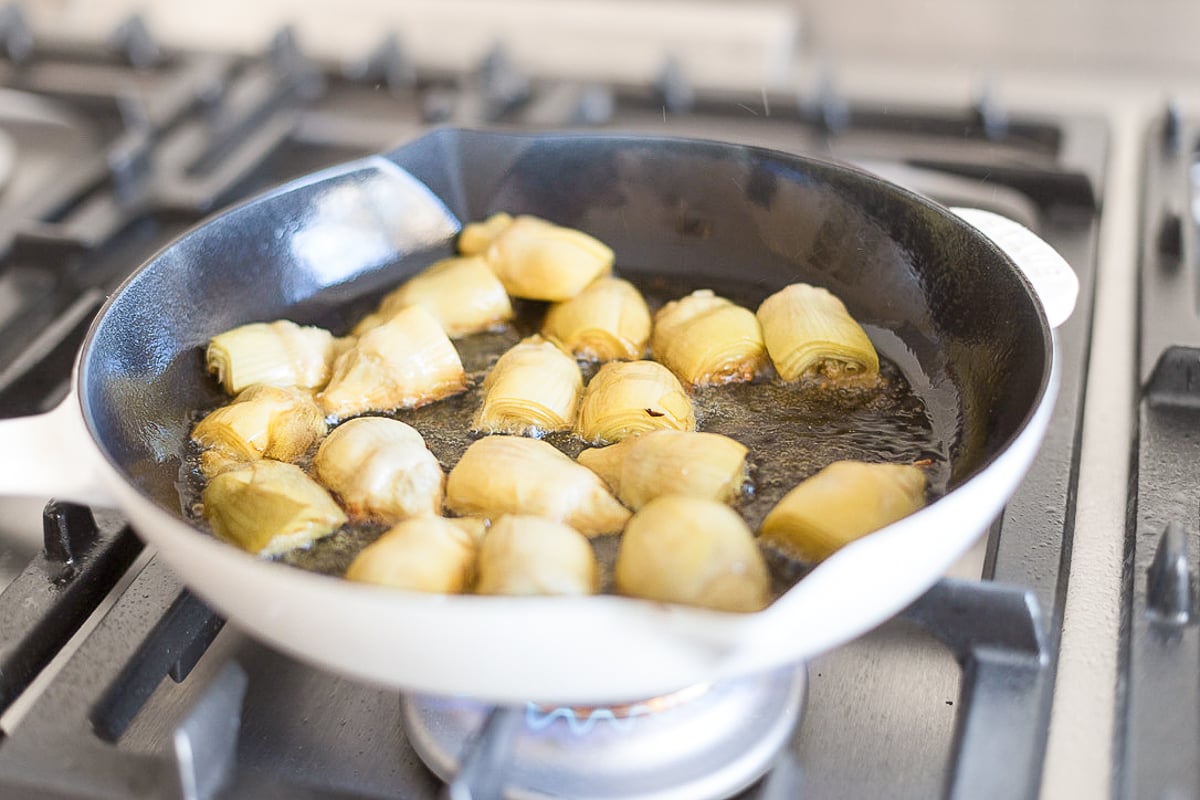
(384, 160)
(1043, 393)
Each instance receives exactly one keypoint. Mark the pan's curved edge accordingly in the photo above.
(699, 645)
(383, 164)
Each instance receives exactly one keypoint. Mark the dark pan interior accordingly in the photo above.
(949, 304)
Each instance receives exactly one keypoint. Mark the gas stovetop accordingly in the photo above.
(115, 681)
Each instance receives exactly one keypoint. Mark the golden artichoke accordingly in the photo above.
(693, 551)
(706, 339)
(659, 462)
(608, 320)
(524, 555)
(533, 389)
(628, 397)
(476, 237)
(500, 475)
(261, 422)
(406, 362)
(268, 507)
(462, 293)
(424, 554)
(539, 260)
(807, 330)
(843, 502)
(380, 468)
(279, 353)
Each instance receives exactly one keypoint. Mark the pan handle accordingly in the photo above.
(1054, 282)
(52, 455)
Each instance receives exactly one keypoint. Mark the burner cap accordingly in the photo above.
(713, 745)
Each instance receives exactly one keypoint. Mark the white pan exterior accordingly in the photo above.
(576, 650)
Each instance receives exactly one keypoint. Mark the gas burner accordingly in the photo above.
(588, 715)
(702, 742)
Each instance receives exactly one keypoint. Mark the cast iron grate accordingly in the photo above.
(1160, 647)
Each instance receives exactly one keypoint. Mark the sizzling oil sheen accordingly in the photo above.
(792, 430)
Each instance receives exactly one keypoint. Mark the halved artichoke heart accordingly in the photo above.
(269, 507)
(693, 551)
(462, 293)
(608, 320)
(261, 422)
(405, 363)
(380, 468)
(423, 554)
(628, 397)
(808, 330)
(641, 468)
(539, 260)
(524, 555)
(533, 389)
(476, 237)
(500, 475)
(279, 353)
(706, 340)
(843, 502)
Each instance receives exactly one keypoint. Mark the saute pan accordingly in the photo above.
(942, 298)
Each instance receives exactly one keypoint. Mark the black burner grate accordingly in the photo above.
(1160, 645)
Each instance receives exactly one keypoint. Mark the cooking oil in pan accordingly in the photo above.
(791, 430)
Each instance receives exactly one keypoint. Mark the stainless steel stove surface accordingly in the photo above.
(115, 681)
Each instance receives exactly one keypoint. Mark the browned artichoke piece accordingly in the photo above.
(406, 362)
(539, 260)
(279, 353)
(380, 468)
(706, 339)
(423, 554)
(533, 389)
(525, 555)
(476, 237)
(807, 330)
(268, 507)
(629, 397)
(500, 475)
(462, 293)
(607, 321)
(693, 551)
(643, 467)
(843, 502)
(261, 422)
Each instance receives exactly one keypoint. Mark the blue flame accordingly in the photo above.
(538, 719)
